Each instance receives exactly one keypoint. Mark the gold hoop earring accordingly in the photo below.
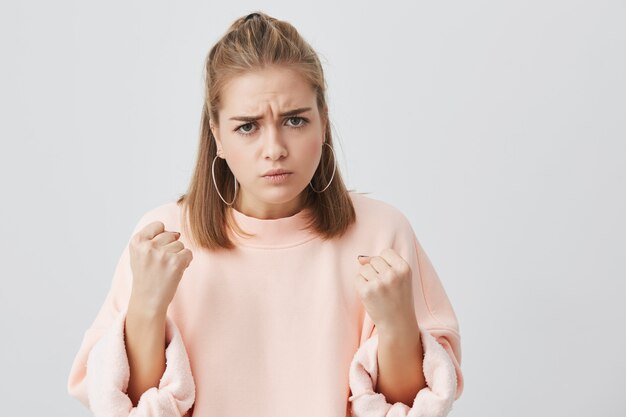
(215, 183)
(334, 169)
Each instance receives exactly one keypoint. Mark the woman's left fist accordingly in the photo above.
(384, 284)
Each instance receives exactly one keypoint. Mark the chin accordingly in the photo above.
(281, 194)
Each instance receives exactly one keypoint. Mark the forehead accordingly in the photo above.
(252, 91)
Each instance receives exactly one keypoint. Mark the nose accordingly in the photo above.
(273, 146)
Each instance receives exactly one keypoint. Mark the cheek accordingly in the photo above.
(312, 152)
(238, 164)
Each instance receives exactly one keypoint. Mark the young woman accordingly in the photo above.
(247, 296)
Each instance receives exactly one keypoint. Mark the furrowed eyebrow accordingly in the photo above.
(253, 118)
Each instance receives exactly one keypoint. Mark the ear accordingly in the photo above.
(213, 129)
(217, 139)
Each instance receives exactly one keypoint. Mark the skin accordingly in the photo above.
(385, 286)
(251, 148)
(158, 260)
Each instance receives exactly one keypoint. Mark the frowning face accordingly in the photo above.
(269, 120)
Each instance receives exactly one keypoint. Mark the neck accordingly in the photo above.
(268, 211)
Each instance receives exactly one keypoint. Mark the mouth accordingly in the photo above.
(278, 178)
(276, 172)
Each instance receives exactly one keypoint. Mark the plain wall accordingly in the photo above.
(497, 127)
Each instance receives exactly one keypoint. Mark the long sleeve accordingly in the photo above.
(100, 371)
(441, 341)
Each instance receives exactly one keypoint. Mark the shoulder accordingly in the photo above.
(167, 212)
(385, 226)
(373, 211)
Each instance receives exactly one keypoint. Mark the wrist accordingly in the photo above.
(147, 310)
(399, 328)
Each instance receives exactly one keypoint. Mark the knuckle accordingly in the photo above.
(135, 239)
(367, 292)
(389, 274)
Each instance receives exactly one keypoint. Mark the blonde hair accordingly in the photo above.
(250, 44)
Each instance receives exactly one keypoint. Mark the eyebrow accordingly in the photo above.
(287, 113)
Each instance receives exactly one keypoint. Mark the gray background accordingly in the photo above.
(497, 127)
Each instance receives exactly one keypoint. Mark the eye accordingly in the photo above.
(241, 129)
(302, 120)
(244, 132)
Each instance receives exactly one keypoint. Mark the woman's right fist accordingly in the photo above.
(157, 260)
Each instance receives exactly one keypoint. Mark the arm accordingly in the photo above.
(434, 400)
(100, 373)
(107, 374)
(440, 351)
(145, 346)
(400, 363)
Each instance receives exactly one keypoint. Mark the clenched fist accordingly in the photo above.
(158, 260)
(384, 285)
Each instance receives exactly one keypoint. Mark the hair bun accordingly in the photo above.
(251, 15)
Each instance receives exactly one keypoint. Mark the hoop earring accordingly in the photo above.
(334, 169)
(216, 189)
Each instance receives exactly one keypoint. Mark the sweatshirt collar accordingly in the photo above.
(273, 233)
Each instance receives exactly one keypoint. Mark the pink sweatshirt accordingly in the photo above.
(274, 328)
